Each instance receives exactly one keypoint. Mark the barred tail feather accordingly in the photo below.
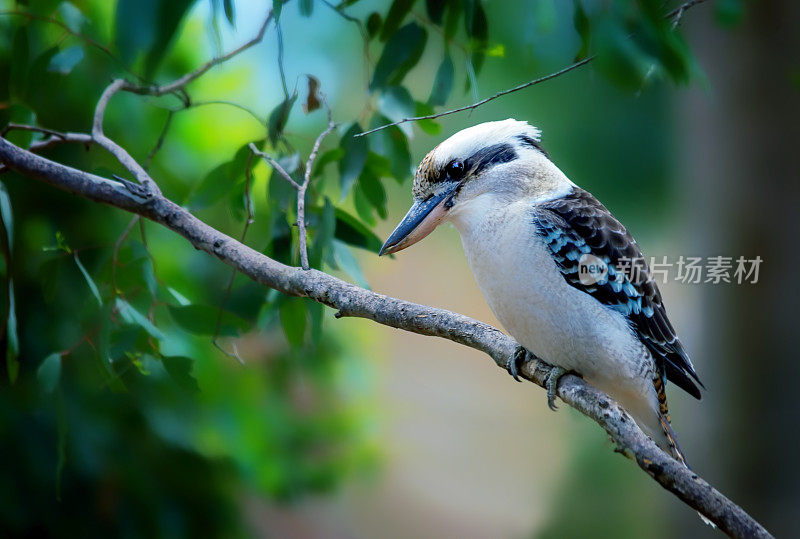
(666, 425)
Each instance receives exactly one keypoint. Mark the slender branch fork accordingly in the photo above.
(146, 200)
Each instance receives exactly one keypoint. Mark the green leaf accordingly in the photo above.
(581, 22)
(279, 117)
(435, 10)
(64, 61)
(397, 12)
(89, 280)
(18, 68)
(7, 215)
(306, 7)
(12, 347)
(397, 104)
(370, 185)
(401, 53)
(477, 28)
(430, 127)
(72, 16)
(49, 372)
(331, 156)
(179, 369)
(180, 298)
(443, 83)
(202, 320)
(355, 155)
(132, 316)
(373, 24)
(364, 208)
(276, 9)
(293, 320)
(351, 231)
(323, 235)
(454, 10)
(347, 262)
(147, 27)
(230, 13)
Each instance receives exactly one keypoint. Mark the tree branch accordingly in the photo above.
(351, 300)
(301, 190)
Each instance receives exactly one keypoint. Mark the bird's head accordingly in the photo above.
(499, 158)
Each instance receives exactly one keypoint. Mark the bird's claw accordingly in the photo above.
(551, 383)
(520, 355)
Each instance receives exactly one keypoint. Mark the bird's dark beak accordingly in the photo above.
(420, 221)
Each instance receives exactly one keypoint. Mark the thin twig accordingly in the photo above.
(677, 14)
(301, 191)
(275, 165)
(477, 104)
(181, 82)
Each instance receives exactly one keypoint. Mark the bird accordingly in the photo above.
(556, 268)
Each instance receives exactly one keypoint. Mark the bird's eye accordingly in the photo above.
(455, 169)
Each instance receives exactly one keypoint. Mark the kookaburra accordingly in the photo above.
(528, 232)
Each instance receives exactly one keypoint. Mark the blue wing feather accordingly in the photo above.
(578, 224)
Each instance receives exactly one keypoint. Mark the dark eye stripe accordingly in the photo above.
(489, 157)
(529, 141)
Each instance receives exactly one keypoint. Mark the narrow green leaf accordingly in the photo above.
(431, 127)
(306, 7)
(374, 23)
(370, 185)
(202, 320)
(12, 346)
(443, 83)
(352, 231)
(19, 68)
(180, 298)
(323, 234)
(49, 372)
(397, 12)
(64, 61)
(179, 369)
(230, 12)
(132, 316)
(279, 117)
(397, 104)
(355, 155)
(435, 10)
(147, 27)
(72, 16)
(277, 5)
(581, 22)
(89, 280)
(347, 262)
(401, 53)
(293, 320)
(7, 215)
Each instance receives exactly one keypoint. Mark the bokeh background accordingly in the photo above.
(345, 428)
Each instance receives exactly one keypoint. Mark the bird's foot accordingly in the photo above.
(551, 383)
(520, 356)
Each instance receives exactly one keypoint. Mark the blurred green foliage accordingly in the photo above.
(119, 415)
